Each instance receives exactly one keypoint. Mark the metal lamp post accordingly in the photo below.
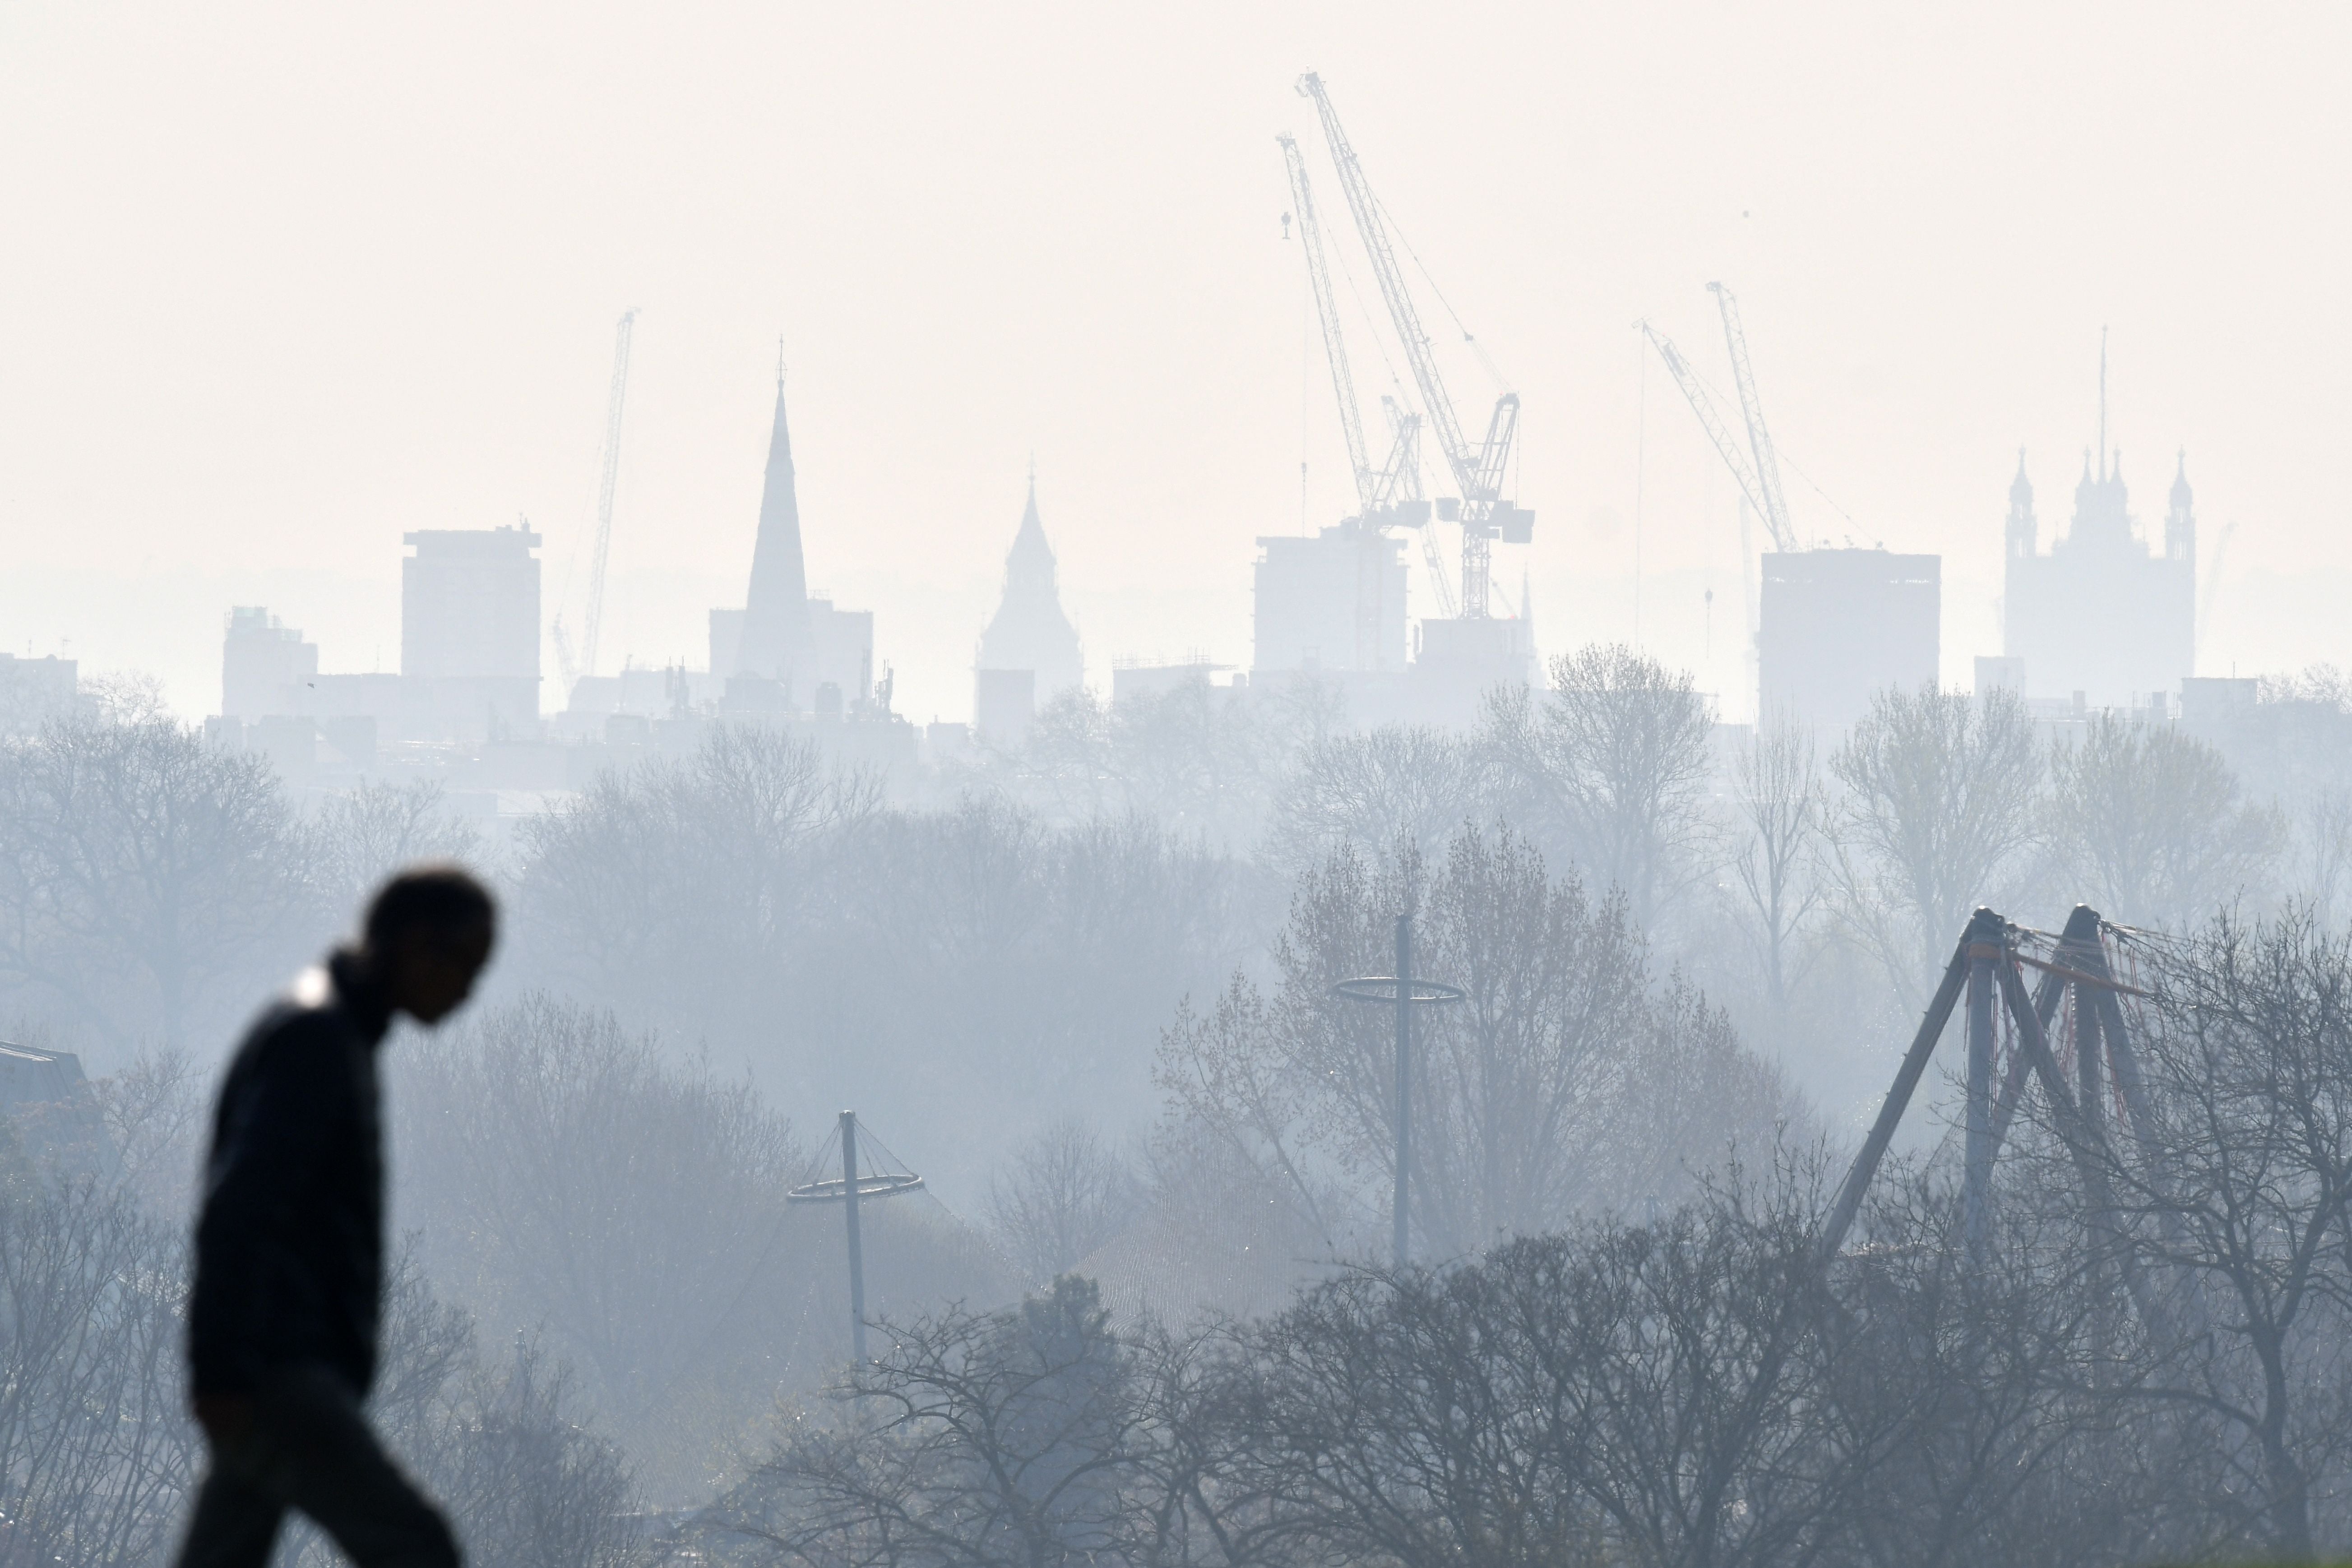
(1402, 992)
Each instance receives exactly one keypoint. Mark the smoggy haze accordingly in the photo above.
(283, 284)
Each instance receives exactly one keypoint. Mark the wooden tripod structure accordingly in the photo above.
(1988, 966)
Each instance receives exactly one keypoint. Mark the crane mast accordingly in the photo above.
(1727, 445)
(605, 489)
(1388, 497)
(1327, 308)
(1759, 440)
(1694, 390)
(1478, 472)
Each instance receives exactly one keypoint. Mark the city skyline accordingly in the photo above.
(404, 323)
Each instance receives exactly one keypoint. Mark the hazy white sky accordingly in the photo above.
(281, 281)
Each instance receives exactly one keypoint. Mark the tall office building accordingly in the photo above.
(469, 627)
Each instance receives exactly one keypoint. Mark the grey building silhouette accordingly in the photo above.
(1334, 602)
(774, 641)
(2103, 612)
(787, 651)
(1833, 627)
(267, 668)
(470, 627)
(1029, 633)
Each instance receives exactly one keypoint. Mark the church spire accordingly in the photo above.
(775, 611)
(2181, 516)
(2024, 534)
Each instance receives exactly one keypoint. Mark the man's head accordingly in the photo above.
(428, 933)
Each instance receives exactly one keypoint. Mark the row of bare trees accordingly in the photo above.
(568, 1179)
(965, 965)
(1811, 884)
(1535, 1100)
(150, 884)
(2159, 1372)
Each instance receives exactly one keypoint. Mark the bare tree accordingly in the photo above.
(565, 1175)
(1628, 1393)
(1066, 1195)
(977, 962)
(2151, 823)
(2321, 850)
(680, 879)
(513, 1459)
(361, 837)
(95, 1452)
(1615, 757)
(1396, 785)
(1001, 1440)
(2241, 1166)
(1067, 764)
(1782, 810)
(1938, 812)
(1536, 1099)
(140, 870)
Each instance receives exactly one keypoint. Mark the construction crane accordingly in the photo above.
(1774, 507)
(604, 490)
(1327, 308)
(1405, 427)
(1388, 497)
(1478, 471)
(1727, 445)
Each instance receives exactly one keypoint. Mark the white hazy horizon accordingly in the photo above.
(283, 283)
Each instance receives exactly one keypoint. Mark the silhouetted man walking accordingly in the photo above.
(289, 1244)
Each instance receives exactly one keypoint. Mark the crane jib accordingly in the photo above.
(1478, 472)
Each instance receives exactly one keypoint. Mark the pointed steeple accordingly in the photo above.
(775, 611)
(2181, 516)
(1029, 630)
(1031, 558)
(2023, 532)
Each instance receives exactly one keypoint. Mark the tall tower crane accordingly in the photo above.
(1388, 497)
(1327, 308)
(1478, 471)
(1727, 445)
(604, 490)
(1759, 440)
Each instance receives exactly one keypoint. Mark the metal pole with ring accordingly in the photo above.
(1402, 992)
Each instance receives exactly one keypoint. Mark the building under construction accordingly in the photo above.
(1334, 602)
(1833, 627)
(1331, 606)
(2102, 618)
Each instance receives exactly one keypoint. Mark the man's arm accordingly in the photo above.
(270, 1136)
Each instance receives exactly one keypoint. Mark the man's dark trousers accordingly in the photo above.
(309, 1448)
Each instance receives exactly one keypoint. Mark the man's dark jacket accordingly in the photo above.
(290, 1243)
